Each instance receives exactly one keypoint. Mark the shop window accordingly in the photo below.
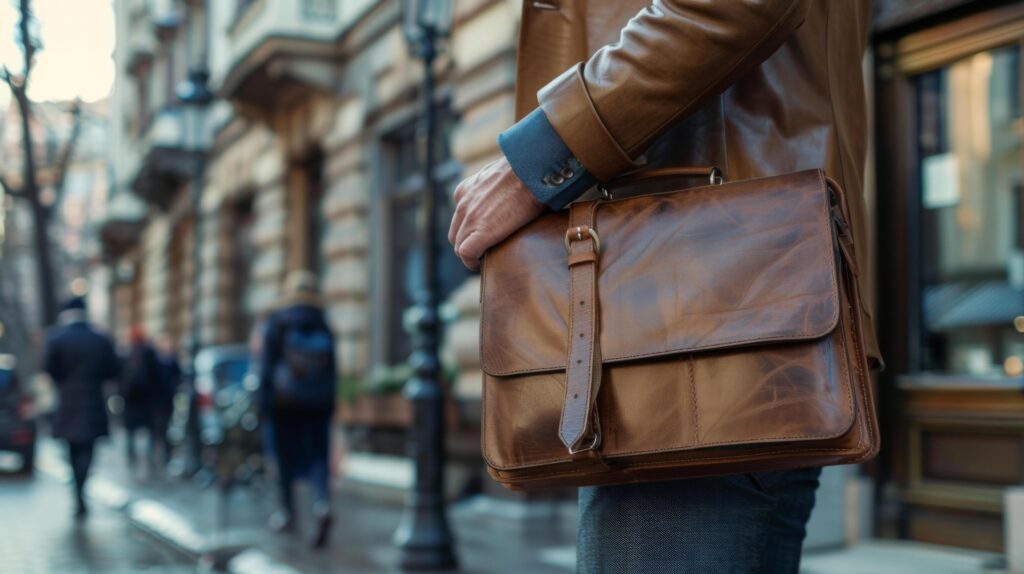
(970, 127)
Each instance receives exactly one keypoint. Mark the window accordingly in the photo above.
(314, 10)
(181, 282)
(243, 253)
(970, 127)
(316, 221)
(403, 255)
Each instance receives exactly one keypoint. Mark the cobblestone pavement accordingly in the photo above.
(39, 536)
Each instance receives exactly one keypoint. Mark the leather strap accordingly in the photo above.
(579, 429)
(712, 173)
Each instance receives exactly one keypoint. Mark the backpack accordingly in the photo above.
(304, 376)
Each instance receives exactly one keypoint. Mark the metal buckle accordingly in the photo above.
(596, 442)
(716, 176)
(605, 193)
(593, 444)
(578, 236)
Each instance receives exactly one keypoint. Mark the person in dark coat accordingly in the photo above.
(80, 360)
(163, 409)
(140, 389)
(298, 371)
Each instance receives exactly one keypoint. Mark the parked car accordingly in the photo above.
(17, 416)
(216, 414)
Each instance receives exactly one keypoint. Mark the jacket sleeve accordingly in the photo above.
(672, 57)
(51, 360)
(111, 361)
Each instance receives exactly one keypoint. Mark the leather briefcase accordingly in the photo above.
(702, 331)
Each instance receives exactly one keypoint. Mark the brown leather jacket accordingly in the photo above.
(756, 87)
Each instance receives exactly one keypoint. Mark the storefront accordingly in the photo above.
(949, 124)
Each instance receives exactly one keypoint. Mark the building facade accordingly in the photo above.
(307, 158)
(949, 149)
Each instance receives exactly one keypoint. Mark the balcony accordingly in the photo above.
(141, 48)
(166, 162)
(284, 44)
(119, 230)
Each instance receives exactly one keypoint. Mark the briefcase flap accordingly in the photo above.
(699, 269)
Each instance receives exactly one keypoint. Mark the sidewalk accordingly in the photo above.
(187, 517)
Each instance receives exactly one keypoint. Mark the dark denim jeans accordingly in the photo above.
(741, 524)
(302, 444)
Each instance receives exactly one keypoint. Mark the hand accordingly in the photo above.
(489, 206)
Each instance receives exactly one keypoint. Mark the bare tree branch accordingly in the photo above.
(64, 161)
(10, 190)
(28, 47)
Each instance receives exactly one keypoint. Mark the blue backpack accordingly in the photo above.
(304, 378)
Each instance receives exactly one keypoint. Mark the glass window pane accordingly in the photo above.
(969, 141)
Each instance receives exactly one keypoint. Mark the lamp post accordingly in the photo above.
(194, 95)
(423, 537)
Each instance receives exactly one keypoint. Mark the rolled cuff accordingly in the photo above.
(571, 112)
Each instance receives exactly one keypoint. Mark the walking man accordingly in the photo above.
(80, 360)
(297, 398)
(141, 388)
(163, 407)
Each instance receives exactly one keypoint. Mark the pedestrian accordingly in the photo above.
(756, 87)
(298, 373)
(79, 360)
(140, 389)
(170, 378)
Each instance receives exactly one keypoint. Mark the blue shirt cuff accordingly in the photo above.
(542, 161)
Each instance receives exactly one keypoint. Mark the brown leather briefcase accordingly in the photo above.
(702, 331)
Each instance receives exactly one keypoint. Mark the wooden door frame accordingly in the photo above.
(899, 58)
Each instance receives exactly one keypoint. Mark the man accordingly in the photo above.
(141, 385)
(163, 408)
(755, 87)
(79, 360)
(298, 371)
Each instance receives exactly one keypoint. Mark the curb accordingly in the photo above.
(166, 526)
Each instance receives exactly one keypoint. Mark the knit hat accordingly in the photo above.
(74, 304)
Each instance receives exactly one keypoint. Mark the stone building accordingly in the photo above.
(307, 159)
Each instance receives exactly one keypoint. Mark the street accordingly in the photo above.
(39, 536)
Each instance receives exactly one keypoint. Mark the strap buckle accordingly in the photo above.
(576, 234)
(593, 445)
(595, 422)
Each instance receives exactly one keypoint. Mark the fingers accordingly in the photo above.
(472, 249)
(459, 196)
(457, 219)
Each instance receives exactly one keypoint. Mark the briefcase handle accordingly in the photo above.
(713, 174)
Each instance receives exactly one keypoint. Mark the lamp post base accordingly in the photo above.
(425, 545)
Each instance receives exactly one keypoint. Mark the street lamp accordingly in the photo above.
(195, 95)
(423, 537)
